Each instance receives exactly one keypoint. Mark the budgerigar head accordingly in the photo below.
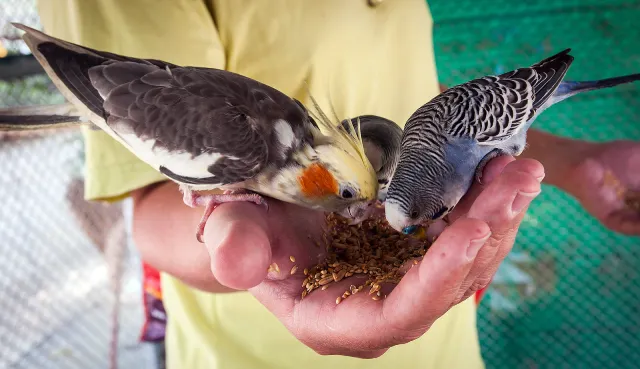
(424, 189)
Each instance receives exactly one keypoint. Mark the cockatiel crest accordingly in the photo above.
(206, 129)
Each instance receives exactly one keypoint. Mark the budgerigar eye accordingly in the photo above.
(439, 213)
(347, 193)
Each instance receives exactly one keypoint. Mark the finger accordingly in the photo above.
(426, 291)
(502, 205)
(491, 170)
(625, 221)
(237, 238)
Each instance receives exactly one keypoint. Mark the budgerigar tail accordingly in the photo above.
(570, 88)
(24, 118)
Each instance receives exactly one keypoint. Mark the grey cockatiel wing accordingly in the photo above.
(493, 109)
(196, 125)
(222, 120)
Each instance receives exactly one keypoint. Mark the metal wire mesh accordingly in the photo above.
(567, 296)
(70, 289)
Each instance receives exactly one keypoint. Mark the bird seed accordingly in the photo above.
(372, 249)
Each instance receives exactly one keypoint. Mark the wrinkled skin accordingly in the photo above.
(243, 240)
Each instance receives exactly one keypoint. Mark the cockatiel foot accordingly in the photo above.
(483, 163)
(210, 202)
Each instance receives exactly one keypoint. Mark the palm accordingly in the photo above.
(243, 240)
(608, 174)
(293, 233)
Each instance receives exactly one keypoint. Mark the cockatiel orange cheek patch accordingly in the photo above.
(317, 181)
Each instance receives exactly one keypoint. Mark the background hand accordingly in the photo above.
(601, 178)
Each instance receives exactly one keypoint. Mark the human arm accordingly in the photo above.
(596, 174)
(163, 232)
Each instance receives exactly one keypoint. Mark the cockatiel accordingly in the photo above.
(381, 138)
(448, 141)
(207, 129)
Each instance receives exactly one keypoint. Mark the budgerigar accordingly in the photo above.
(206, 129)
(448, 141)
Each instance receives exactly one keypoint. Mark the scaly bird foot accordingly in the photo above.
(483, 163)
(210, 202)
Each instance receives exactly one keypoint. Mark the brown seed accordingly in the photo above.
(375, 297)
(292, 258)
(337, 277)
(294, 269)
(325, 280)
(325, 287)
(338, 300)
(374, 288)
(306, 271)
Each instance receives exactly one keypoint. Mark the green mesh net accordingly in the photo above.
(568, 295)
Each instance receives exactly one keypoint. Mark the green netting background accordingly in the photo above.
(569, 293)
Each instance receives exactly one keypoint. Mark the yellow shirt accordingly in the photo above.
(364, 59)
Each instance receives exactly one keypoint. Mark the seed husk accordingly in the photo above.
(292, 258)
(273, 268)
(294, 269)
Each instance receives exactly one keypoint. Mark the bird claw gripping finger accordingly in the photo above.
(212, 201)
(483, 163)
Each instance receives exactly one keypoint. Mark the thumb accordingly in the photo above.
(237, 238)
(428, 291)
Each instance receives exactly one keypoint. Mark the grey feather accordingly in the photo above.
(381, 138)
(192, 110)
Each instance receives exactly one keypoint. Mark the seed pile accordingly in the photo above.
(631, 198)
(372, 249)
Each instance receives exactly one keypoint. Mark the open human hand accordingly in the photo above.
(606, 181)
(244, 240)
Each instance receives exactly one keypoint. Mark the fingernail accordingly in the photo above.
(476, 245)
(521, 200)
(540, 178)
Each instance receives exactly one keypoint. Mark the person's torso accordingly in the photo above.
(364, 60)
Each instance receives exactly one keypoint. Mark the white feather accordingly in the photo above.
(180, 163)
(284, 133)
